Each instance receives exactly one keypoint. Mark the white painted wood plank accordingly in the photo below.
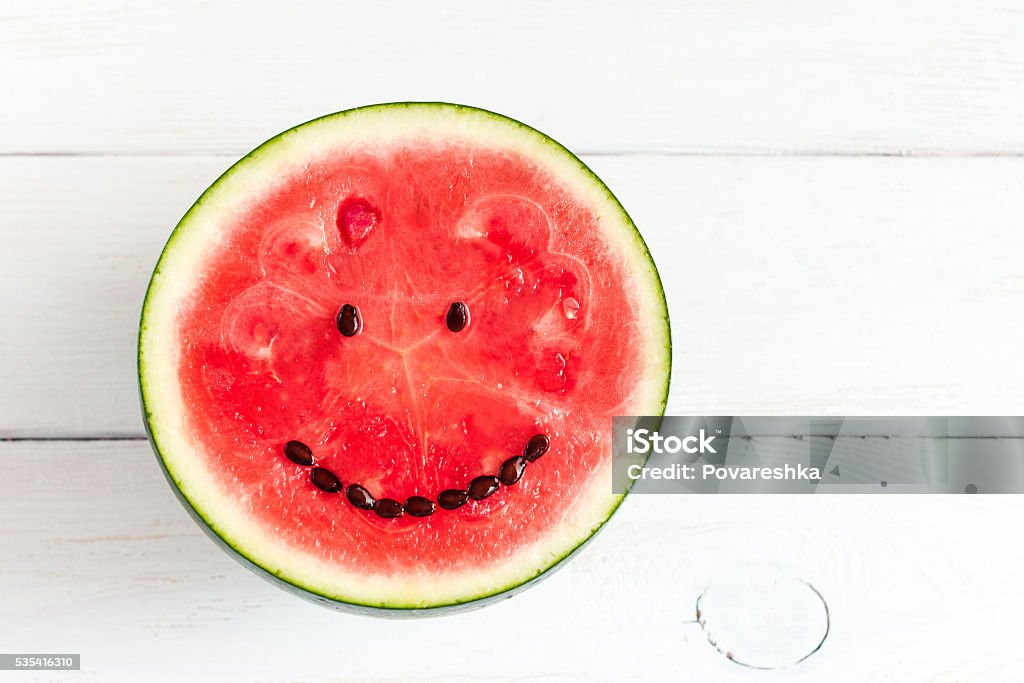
(939, 76)
(99, 558)
(854, 286)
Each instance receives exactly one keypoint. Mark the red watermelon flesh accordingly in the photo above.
(560, 338)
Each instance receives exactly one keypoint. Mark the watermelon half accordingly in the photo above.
(367, 320)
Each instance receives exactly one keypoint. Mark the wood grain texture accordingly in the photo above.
(99, 558)
(796, 286)
(826, 281)
(735, 76)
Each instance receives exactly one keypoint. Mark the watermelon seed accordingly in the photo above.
(458, 317)
(349, 322)
(512, 470)
(388, 508)
(483, 486)
(418, 506)
(299, 453)
(359, 497)
(452, 498)
(325, 480)
(537, 446)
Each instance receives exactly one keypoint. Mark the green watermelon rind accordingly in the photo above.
(342, 602)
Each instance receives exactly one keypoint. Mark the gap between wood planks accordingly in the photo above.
(70, 438)
(624, 152)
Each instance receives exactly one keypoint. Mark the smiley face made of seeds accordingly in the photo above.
(504, 235)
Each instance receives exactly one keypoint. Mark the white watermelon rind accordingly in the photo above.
(218, 514)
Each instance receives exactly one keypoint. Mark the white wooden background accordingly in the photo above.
(834, 191)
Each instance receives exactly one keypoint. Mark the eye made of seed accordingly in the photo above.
(458, 317)
(349, 321)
